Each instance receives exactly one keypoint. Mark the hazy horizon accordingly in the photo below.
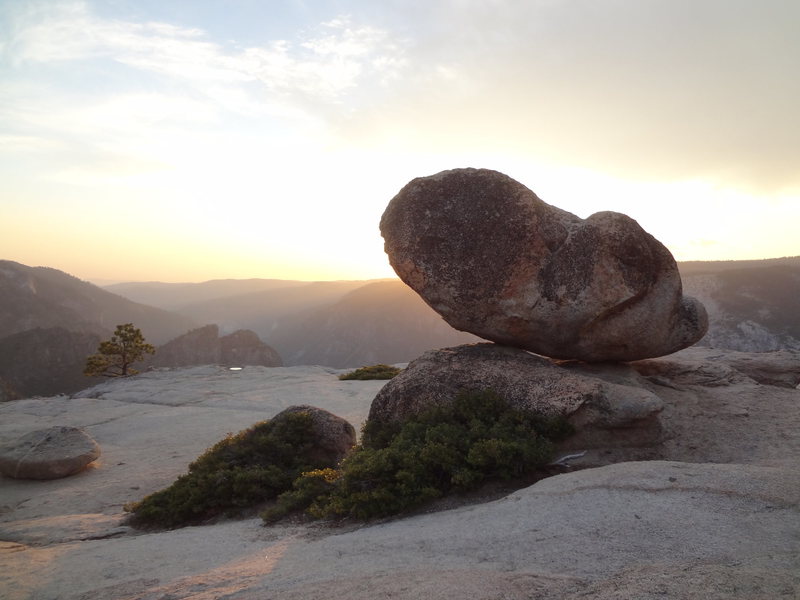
(192, 140)
(103, 282)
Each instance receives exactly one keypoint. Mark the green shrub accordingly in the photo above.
(397, 468)
(308, 489)
(239, 472)
(372, 372)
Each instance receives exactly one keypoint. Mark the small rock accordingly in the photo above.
(48, 454)
(335, 436)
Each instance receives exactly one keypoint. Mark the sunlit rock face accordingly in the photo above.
(494, 260)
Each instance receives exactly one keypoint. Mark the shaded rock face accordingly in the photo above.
(494, 260)
(197, 347)
(203, 346)
(335, 436)
(32, 297)
(710, 368)
(6, 393)
(603, 412)
(45, 362)
(48, 454)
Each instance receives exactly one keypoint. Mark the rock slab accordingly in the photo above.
(495, 260)
(48, 454)
(602, 412)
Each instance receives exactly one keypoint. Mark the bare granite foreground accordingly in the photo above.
(711, 512)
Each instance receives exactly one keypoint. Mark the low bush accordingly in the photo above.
(372, 372)
(456, 448)
(239, 472)
(309, 489)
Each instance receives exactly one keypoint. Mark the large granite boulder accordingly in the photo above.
(335, 437)
(48, 454)
(494, 260)
(604, 413)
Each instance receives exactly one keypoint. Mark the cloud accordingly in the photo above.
(129, 98)
(313, 71)
(660, 90)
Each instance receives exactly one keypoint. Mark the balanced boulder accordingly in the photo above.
(495, 260)
(48, 453)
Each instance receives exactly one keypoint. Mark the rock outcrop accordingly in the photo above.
(494, 260)
(243, 347)
(204, 346)
(43, 297)
(197, 347)
(604, 413)
(335, 437)
(48, 454)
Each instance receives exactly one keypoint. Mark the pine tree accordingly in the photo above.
(115, 356)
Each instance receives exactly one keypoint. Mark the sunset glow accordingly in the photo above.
(192, 140)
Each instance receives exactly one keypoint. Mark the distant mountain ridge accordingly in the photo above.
(333, 323)
(691, 267)
(753, 306)
(41, 297)
(379, 322)
(51, 321)
(170, 296)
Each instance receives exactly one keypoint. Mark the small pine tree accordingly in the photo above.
(115, 356)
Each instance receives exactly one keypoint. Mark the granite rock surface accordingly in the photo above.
(50, 453)
(603, 412)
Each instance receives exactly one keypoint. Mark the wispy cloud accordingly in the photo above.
(185, 102)
(320, 68)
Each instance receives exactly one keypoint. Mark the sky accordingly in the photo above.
(188, 140)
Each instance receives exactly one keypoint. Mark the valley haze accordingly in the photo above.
(349, 323)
